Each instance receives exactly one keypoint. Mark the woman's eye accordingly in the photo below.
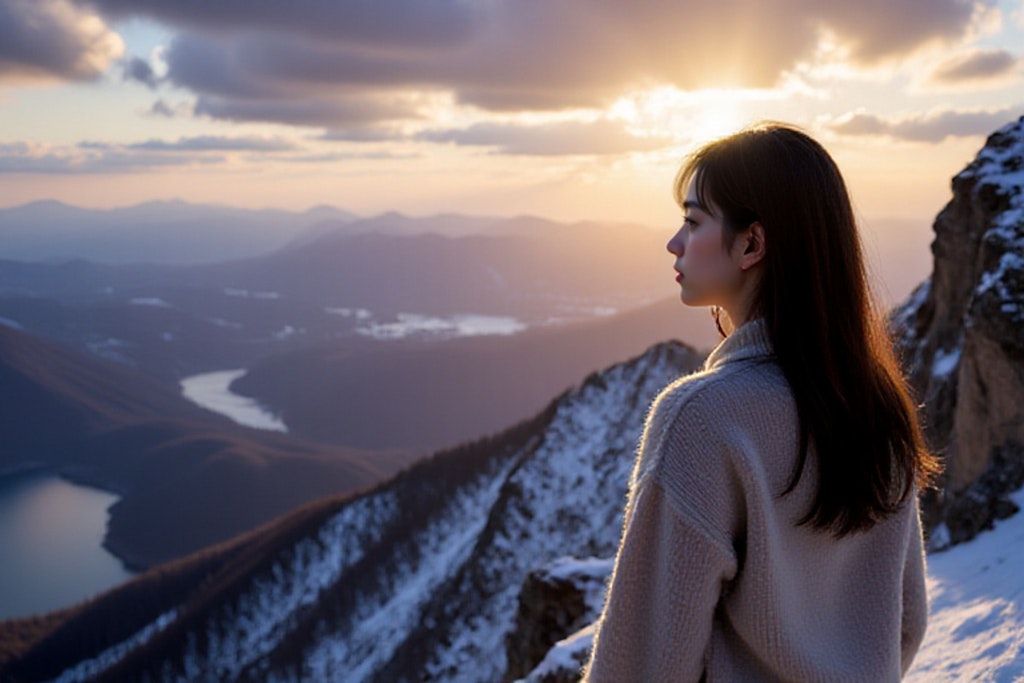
(689, 222)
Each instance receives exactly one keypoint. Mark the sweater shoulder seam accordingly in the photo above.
(686, 516)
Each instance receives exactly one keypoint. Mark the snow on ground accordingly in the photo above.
(463, 325)
(246, 294)
(568, 654)
(347, 312)
(976, 615)
(110, 348)
(150, 301)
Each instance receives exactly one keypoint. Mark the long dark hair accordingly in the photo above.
(852, 401)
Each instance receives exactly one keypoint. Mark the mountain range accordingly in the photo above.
(168, 232)
(339, 284)
(439, 571)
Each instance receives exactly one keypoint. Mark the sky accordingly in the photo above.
(568, 109)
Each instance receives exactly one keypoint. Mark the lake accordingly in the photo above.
(50, 544)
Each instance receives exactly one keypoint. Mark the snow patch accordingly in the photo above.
(945, 362)
(465, 325)
(150, 301)
(939, 539)
(590, 567)
(287, 331)
(345, 312)
(111, 348)
(903, 315)
(7, 322)
(87, 669)
(568, 654)
(995, 279)
(246, 294)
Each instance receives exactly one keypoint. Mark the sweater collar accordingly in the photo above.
(749, 340)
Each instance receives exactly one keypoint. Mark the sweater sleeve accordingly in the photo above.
(658, 612)
(915, 601)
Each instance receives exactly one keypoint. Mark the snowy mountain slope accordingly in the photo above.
(416, 579)
(567, 497)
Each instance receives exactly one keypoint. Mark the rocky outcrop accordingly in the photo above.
(962, 337)
(554, 602)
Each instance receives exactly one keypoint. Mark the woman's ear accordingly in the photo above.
(752, 246)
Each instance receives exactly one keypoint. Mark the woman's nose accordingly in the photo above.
(677, 244)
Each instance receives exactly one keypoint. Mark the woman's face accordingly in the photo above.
(708, 275)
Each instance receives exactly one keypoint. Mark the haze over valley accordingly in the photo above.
(328, 329)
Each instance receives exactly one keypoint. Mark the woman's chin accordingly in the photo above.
(691, 299)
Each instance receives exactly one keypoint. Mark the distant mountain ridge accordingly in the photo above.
(168, 232)
(338, 284)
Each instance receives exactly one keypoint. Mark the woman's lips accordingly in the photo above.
(679, 276)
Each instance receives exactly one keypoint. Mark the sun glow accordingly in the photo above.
(691, 117)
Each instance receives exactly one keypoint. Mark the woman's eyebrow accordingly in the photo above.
(694, 205)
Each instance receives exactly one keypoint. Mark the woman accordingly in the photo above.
(772, 531)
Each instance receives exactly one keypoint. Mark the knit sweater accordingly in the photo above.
(715, 581)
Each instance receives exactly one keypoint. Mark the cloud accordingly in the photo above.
(137, 69)
(92, 156)
(334, 157)
(161, 108)
(880, 29)
(334, 64)
(933, 127)
(974, 66)
(362, 133)
(207, 143)
(562, 138)
(47, 39)
(410, 24)
(87, 158)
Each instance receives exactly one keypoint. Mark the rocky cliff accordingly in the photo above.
(962, 337)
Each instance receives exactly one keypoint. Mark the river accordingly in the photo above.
(210, 390)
